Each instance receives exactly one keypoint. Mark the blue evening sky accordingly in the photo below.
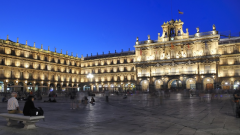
(91, 26)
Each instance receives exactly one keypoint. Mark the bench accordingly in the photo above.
(28, 121)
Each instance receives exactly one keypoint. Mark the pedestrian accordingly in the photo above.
(4, 99)
(72, 97)
(92, 100)
(13, 106)
(106, 94)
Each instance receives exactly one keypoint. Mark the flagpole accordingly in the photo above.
(171, 9)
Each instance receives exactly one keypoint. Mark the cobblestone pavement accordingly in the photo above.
(136, 115)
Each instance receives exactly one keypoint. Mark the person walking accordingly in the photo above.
(106, 94)
(72, 97)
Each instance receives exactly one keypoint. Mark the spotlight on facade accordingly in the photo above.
(90, 76)
(226, 83)
(207, 79)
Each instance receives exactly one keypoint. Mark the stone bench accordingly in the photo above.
(28, 121)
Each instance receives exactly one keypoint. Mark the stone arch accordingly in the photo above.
(158, 84)
(145, 85)
(1, 86)
(191, 83)
(178, 81)
(208, 83)
(226, 84)
(236, 84)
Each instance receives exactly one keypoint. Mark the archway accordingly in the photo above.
(145, 85)
(226, 84)
(236, 85)
(158, 84)
(1, 86)
(174, 84)
(100, 89)
(208, 83)
(191, 83)
(86, 87)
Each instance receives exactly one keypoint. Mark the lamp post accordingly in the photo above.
(90, 76)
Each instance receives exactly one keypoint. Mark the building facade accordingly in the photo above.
(25, 68)
(176, 60)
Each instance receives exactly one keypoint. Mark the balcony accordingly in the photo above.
(208, 72)
(143, 75)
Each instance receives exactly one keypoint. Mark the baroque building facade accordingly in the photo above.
(204, 61)
(25, 68)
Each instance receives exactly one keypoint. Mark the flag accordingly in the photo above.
(141, 52)
(172, 46)
(180, 12)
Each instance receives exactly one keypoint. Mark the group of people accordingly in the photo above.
(80, 97)
(29, 107)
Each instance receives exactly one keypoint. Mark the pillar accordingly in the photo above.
(24, 87)
(55, 87)
(33, 88)
(97, 88)
(60, 87)
(5, 86)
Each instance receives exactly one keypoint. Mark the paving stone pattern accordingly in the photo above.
(137, 115)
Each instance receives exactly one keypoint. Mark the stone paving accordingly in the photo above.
(137, 115)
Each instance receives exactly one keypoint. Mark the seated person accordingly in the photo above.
(13, 106)
(54, 100)
(49, 100)
(4, 99)
(29, 108)
(92, 100)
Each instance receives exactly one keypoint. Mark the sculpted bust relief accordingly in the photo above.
(7, 50)
(17, 52)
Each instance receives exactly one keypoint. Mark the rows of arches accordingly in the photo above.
(110, 87)
(190, 83)
(27, 86)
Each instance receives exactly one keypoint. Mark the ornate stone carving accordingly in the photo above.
(35, 65)
(25, 75)
(49, 67)
(67, 62)
(42, 57)
(7, 73)
(16, 74)
(49, 58)
(17, 52)
(35, 56)
(7, 50)
(8, 61)
(42, 66)
(17, 63)
(62, 61)
(56, 60)
(73, 62)
(26, 54)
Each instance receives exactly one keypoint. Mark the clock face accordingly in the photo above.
(172, 38)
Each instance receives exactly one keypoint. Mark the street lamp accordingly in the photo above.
(90, 76)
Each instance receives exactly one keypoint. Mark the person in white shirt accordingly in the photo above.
(13, 106)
